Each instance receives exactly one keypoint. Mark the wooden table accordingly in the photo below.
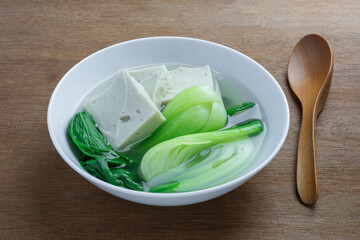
(41, 197)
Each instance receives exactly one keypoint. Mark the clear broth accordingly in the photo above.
(231, 96)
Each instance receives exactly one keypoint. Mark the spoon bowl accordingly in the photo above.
(309, 73)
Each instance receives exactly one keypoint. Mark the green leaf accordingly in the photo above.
(131, 180)
(100, 159)
(90, 141)
(100, 169)
(239, 108)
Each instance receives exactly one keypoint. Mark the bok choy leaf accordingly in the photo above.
(239, 108)
(100, 159)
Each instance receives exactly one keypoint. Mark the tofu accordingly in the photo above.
(183, 77)
(155, 81)
(124, 111)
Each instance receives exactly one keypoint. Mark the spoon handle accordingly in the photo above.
(306, 171)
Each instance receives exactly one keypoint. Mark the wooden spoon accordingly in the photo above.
(309, 72)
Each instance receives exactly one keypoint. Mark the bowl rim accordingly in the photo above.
(104, 184)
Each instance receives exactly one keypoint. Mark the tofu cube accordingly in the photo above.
(124, 111)
(155, 81)
(184, 77)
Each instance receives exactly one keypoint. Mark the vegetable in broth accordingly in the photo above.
(192, 149)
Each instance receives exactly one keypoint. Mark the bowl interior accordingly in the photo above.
(241, 73)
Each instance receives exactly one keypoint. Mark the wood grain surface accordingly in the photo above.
(41, 197)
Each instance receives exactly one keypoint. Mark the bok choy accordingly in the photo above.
(194, 110)
(100, 159)
(198, 160)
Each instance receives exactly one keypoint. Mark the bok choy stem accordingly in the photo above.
(170, 154)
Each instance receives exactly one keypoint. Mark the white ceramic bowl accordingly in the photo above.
(242, 72)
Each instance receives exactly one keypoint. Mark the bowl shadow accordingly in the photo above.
(80, 210)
